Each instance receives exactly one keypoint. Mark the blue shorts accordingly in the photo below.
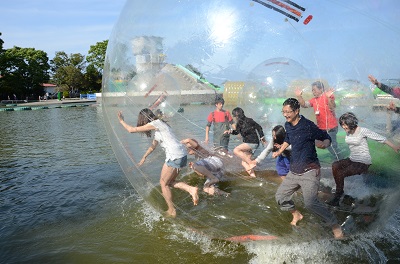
(177, 163)
(282, 165)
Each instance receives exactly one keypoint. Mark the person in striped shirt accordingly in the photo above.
(360, 157)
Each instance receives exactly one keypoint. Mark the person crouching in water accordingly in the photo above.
(208, 166)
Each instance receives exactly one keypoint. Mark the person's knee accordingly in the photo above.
(237, 151)
(335, 168)
(309, 203)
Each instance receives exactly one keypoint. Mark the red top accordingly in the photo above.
(219, 117)
(326, 118)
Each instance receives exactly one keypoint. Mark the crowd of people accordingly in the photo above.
(293, 145)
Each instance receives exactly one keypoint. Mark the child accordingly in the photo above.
(222, 120)
(282, 162)
(360, 158)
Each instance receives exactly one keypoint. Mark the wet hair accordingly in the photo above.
(319, 85)
(219, 99)
(280, 134)
(349, 119)
(238, 112)
(145, 117)
(293, 103)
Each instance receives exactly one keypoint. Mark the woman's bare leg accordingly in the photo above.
(168, 174)
(243, 151)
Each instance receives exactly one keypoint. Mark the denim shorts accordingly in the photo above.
(177, 163)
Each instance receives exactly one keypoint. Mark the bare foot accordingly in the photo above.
(209, 190)
(170, 213)
(337, 232)
(195, 196)
(221, 192)
(297, 216)
(252, 164)
(251, 173)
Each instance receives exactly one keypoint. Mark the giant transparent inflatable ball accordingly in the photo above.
(175, 57)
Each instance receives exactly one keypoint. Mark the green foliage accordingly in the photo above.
(68, 71)
(93, 78)
(1, 44)
(23, 72)
(97, 54)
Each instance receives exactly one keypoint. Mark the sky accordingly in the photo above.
(58, 25)
(224, 39)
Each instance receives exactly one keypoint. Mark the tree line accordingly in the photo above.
(23, 71)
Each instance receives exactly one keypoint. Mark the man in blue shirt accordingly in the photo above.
(303, 136)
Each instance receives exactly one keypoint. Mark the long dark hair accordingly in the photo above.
(239, 113)
(146, 116)
(280, 134)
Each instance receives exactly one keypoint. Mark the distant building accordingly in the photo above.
(50, 88)
(231, 92)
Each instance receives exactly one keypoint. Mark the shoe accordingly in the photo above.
(335, 200)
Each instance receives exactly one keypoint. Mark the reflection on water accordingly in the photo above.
(64, 198)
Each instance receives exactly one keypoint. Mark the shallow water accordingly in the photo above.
(64, 199)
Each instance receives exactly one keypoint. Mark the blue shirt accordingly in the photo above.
(302, 138)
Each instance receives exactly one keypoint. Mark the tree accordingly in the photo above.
(23, 71)
(1, 43)
(97, 54)
(68, 71)
(93, 78)
(94, 71)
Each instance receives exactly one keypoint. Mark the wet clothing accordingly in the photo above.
(167, 140)
(358, 144)
(309, 184)
(304, 169)
(345, 168)
(250, 131)
(360, 157)
(282, 161)
(326, 120)
(214, 165)
(221, 120)
(282, 165)
(302, 137)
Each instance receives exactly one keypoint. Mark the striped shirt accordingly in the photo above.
(358, 144)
